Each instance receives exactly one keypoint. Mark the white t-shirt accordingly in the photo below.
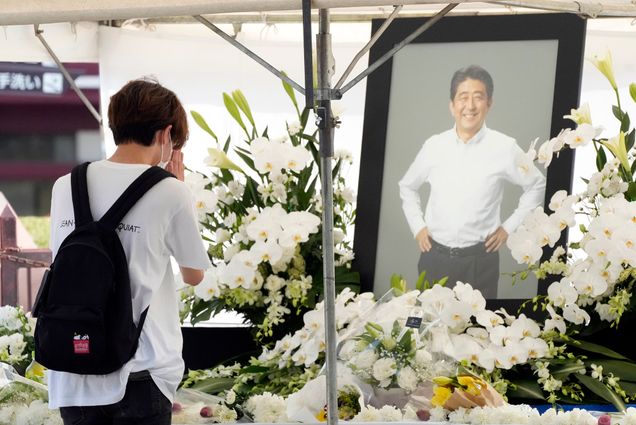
(162, 224)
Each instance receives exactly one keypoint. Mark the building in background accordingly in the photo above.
(45, 130)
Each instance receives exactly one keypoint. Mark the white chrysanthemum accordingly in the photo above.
(267, 407)
(407, 378)
(365, 360)
(384, 369)
(367, 414)
(10, 318)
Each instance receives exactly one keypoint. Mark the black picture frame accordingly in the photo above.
(569, 32)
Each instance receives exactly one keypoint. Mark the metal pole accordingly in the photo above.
(388, 55)
(326, 132)
(249, 53)
(67, 76)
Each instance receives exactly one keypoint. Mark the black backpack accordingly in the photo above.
(84, 305)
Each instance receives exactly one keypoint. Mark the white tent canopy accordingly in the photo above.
(20, 12)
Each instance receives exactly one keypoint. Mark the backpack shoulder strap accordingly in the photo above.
(132, 194)
(79, 191)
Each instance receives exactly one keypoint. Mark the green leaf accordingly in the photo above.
(618, 113)
(631, 191)
(336, 169)
(526, 389)
(442, 281)
(629, 387)
(201, 123)
(290, 92)
(632, 91)
(625, 123)
(304, 117)
(231, 107)
(602, 391)
(567, 369)
(419, 285)
(398, 284)
(601, 158)
(344, 275)
(241, 101)
(629, 139)
(246, 159)
(214, 385)
(623, 369)
(254, 369)
(250, 187)
(226, 147)
(595, 348)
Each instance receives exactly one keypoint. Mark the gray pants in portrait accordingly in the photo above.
(469, 265)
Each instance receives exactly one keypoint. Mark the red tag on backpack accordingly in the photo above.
(81, 346)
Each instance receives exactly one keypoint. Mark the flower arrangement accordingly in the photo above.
(16, 337)
(262, 221)
(592, 284)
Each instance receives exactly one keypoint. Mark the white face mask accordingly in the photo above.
(163, 164)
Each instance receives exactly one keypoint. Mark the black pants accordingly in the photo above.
(143, 404)
(469, 265)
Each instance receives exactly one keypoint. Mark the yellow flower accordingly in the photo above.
(581, 115)
(219, 159)
(442, 381)
(472, 385)
(35, 371)
(440, 396)
(604, 65)
(616, 145)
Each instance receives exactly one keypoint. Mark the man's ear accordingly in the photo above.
(450, 108)
(165, 134)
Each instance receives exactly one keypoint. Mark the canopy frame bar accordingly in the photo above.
(87, 103)
(250, 53)
(388, 55)
(367, 47)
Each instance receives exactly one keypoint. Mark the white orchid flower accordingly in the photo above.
(524, 246)
(472, 297)
(525, 326)
(505, 335)
(489, 319)
(582, 136)
(562, 293)
(480, 335)
(466, 348)
(536, 348)
(205, 202)
(296, 157)
(264, 228)
(456, 315)
(575, 314)
(486, 359)
(269, 251)
(196, 181)
(563, 218)
(546, 152)
(208, 288)
(555, 321)
(589, 284)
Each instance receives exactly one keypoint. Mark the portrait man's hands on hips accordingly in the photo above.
(496, 239)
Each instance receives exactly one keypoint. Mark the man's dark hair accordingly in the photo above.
(142, 107)
(472, 72)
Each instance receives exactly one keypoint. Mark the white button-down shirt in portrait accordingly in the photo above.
(467, 185)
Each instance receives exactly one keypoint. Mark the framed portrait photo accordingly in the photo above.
(535, 62)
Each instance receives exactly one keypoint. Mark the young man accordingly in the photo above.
(150, 127)
(461, 232)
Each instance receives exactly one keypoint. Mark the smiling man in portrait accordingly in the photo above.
(461, 230)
